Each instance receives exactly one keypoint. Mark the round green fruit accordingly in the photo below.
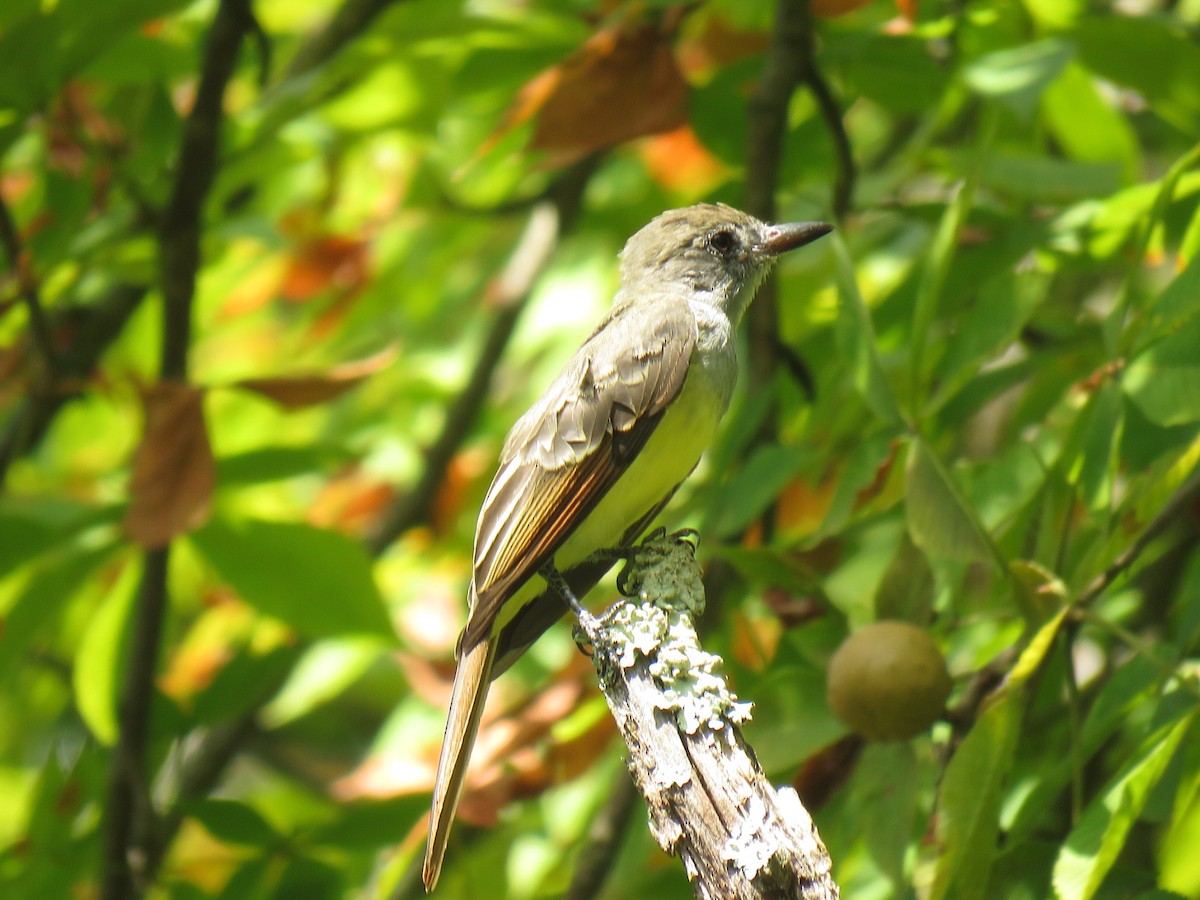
(888, 681)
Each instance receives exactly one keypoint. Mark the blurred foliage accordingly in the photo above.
(990, 426)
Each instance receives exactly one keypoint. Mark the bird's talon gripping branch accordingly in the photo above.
(689, 536)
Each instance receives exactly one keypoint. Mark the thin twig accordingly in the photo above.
(1182, 500)
(831, 113)
(129, 826)
(350, 20)
(39, 328)
(93, 327)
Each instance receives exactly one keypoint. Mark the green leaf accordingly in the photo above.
(318, 581)
(744, 497)
(939, 519)
(1095, 470)
(856, 340)
(1017, 76)
(897, 72)
(1087, 127)
(1094, 844)
(1134, 685)
(1158, 61)
(868, 464)
(279, 463)
(994, 321)
(1048, 180)
(759, 566)
(1175, 307)
(243, 683)
(889, 785)
(50, 586)
(973, 786)
(324, 671)
(234, 823)
(23, 537)
(100, 661)
(906, 590)
(371, 823)
(1165, 380)
(969, 801)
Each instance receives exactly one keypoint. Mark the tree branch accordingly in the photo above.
(129, 815)
(709, 801)
(128, 830)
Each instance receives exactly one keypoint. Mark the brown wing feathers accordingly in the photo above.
(564, 456)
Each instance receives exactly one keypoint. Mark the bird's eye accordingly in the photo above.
(722, 242)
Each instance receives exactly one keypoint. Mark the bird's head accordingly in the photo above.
(713, 252)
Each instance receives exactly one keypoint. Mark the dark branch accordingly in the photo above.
(827, 105)
(94, 327)
(129, 815)
(350, 20)
(179, 236)
(129, 827)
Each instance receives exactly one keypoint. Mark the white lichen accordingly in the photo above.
(745, 846)
(666, 577)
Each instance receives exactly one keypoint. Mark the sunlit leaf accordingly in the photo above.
(100, 662)
(972, 788)
(1017, 76)
(1094, 844)
(317, 581)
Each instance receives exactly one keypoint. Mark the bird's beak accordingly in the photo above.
(782, 238)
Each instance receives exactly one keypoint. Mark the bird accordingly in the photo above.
(592, 463)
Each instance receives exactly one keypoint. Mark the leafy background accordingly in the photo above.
(279, 275)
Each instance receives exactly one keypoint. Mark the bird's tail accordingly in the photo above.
(471, 680)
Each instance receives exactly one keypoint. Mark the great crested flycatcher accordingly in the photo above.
(599, 455)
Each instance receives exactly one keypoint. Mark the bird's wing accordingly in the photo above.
(564, 455)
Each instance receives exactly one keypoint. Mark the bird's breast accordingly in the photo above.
(668, 457)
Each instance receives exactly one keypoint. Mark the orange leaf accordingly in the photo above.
(299, 391)
(679, 162)
(173, 470)
(622, 84)
(350, 502)
(323, 262)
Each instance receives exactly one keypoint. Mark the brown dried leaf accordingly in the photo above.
(173, 470)
(831, 9)
(622, 84)
(299, 391)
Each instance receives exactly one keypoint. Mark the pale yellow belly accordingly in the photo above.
(669, 456)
